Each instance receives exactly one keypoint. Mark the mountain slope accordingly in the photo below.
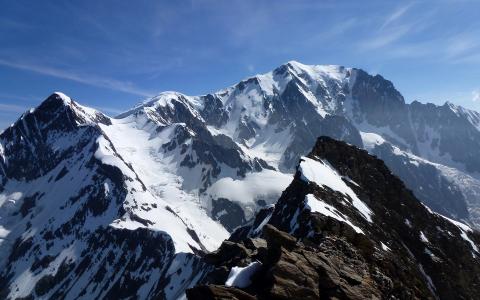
(73, 211)
(345, 228)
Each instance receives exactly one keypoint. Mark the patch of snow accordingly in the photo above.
(315, 205)
(269, 144)
(424, 238)
(408, 223)
(241, 276)
(374, 133)
(266, 185)
(323, 174)
(221, 213)
(466, 238)
(106, 155)
(294, 220)
(262, 224)
(432, 256)
(3, 232)
(370, 139)
(460, 225)
(464, 229)
(384, 247)
(65, 98)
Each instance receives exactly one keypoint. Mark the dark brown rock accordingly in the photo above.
(217, 292)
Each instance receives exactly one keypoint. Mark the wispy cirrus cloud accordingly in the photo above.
(476, 95)
(396, 14)
(391, 29)
(463, 48)
(338, 29)
(92, 80)
(386, 37)
(411, 31)
(8, 96)
(12, 108)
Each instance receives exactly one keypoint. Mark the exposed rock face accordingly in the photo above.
(320, 242)
(378, 103)
(27, 143)
(427, 182)
(228, 213)
(455, 136)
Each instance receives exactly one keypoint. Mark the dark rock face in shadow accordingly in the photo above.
(230, 214)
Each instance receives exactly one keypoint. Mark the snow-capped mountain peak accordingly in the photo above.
(75, 184)
(182, 171)
(58, 103)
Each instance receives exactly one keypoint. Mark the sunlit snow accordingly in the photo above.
(241, 276)
(316, 205)
(323, 174)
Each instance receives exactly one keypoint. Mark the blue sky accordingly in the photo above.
(112, 54)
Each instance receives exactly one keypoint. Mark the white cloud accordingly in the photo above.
(395, 15)
(386, 38)
(399, 33)
(462, 44)
(476, 95)
(92, 80)
(390, 31)
(337, 29)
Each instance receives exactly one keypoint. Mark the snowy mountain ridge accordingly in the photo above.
(78, 189)
(276, 117)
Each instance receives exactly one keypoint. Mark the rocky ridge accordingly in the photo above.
(317, 244)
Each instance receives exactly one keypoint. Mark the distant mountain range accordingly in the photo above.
(99, 207)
